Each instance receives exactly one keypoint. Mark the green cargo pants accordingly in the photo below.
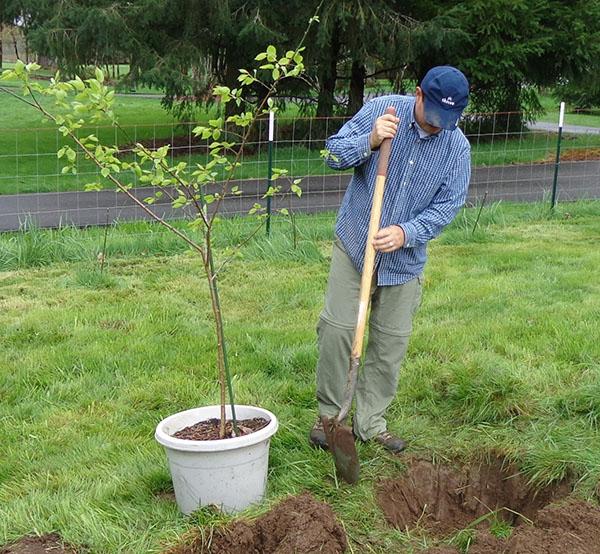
(390, 326)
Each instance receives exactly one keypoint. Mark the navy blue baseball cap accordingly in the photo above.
(446, 95)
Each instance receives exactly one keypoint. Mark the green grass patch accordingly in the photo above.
(587, 118)
(28, 146)
(505, 358)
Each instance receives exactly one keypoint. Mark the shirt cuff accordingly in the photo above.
(410, 234)
(363, 147)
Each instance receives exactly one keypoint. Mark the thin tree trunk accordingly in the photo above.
(224, 376)
(214, 297)
(15, 45)
(512, 118)
(328, 75)
(357, 87)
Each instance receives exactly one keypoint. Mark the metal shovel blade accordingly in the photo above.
(341, 443)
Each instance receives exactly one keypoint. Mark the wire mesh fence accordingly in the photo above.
(511, 161)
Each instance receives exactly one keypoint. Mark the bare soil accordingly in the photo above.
(444, 499)
(567, 527)
(208, 430)
(575, 155)
(45, 544)
(297, 525)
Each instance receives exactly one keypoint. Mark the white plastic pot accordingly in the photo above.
(228, 473)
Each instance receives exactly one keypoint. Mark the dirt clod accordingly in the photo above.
(298, 525)
(443, 499)
(45, 544)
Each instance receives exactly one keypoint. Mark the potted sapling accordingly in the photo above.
(217, 454)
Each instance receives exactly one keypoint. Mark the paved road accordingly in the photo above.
(574, 129)
(518, 183)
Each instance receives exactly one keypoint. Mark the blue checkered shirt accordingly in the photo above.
(426, 185)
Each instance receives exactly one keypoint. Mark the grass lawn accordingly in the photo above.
(28, 146)
(587, 118)
(505, 357)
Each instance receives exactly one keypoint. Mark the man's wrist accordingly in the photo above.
(409, 234)
(403, 240)
(364, 147)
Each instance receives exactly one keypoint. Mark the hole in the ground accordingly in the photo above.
(444, 499)
(569, 526)
(298, 524)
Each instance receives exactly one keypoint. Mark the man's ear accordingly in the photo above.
(418, 92)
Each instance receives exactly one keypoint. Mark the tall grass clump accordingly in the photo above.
(485, 393)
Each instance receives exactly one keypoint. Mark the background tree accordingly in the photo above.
(575, 53)
(507, 48)
(10, 10)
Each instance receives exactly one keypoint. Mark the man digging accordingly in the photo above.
(427, 182)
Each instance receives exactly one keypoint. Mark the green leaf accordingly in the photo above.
(99, 74)
(260, 56)
(93, 187)
(105, 172)
(179, 202)
(78, 84)
(256, 208)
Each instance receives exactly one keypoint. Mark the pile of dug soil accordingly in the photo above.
(444, 499)
(46, 544)
(299, 524)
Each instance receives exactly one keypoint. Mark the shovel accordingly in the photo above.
(339, 435)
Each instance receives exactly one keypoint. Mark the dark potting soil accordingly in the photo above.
(208, 430)
(444, 499)
(46, 544)
(565, 527)
(297, 525)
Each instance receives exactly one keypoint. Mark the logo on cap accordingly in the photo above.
(448, 101)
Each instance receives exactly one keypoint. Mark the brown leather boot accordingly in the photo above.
(393, 444)
(317, 436)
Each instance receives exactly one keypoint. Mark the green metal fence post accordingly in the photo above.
(270, 167)
(561, 119)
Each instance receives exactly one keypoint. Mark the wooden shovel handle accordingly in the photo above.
(369, 261)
